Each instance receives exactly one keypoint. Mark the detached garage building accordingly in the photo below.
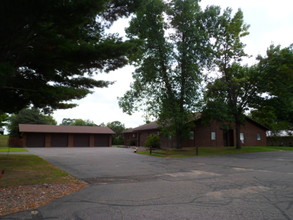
(34, 135)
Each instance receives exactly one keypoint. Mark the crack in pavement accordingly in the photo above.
(147, 178)
(120, 180)
(283, 212)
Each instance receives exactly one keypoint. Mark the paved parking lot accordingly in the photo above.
(124, 185)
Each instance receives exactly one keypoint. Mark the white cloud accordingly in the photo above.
(102, 105)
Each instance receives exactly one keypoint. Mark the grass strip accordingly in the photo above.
(12, 149)
(3, 140)
(29, 169)
(4, 145)
(213, 151)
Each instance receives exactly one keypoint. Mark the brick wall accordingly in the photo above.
(130, 139)
(250, 135)
(250, 130)
(254, 135)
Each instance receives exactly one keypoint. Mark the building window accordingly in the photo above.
(258, 136)
(213, 135)
(242, 137)
(191, 135)
(133, 135)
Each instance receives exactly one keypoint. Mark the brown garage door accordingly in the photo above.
(81, 140)
(35, 140)
(59, 140)
(101, 140)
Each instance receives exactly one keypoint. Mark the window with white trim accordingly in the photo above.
(242, 137)
(258, 136)
(213, 135)
(191, 135)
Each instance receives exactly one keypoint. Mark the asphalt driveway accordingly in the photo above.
(124, 185)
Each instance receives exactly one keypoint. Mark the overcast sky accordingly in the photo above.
(271, 22)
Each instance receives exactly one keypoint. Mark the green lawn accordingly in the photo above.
(211, 151)
(12, 149)
(29, 169)
(3, 140)
(4, 145)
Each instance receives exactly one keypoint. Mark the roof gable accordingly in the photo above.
(256, 123)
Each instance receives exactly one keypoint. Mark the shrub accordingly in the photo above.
(28, 116)
(153, 141)
(132, 143)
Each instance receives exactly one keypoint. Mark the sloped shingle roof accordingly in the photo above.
(128, 130)
(149, 126)
(36, 128)
(196, 116)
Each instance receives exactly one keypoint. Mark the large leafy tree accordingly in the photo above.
(276, 109)
(228, 100)
(233, 91)
(49, 50)
(118, 128)
(77, 122)
(28, 116)
(174, 49)
(3, 119)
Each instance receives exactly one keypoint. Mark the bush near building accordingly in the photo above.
(153, 141)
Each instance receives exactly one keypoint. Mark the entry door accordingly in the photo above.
(228, 137)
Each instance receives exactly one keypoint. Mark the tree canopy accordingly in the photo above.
(276, 109)
(27, 116)
(175, 47)
(236, 86)
(118, 128)
(50, 49)
(77, 122)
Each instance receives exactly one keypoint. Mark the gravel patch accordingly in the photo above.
(20, 198)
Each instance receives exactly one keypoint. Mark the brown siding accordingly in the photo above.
(16, 142)
(47, 140)
(70, 140)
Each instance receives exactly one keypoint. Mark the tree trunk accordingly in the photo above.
(179, 139)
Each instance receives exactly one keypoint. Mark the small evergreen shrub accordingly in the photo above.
(153, 141)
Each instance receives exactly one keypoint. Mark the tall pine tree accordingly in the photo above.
(50, 49)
